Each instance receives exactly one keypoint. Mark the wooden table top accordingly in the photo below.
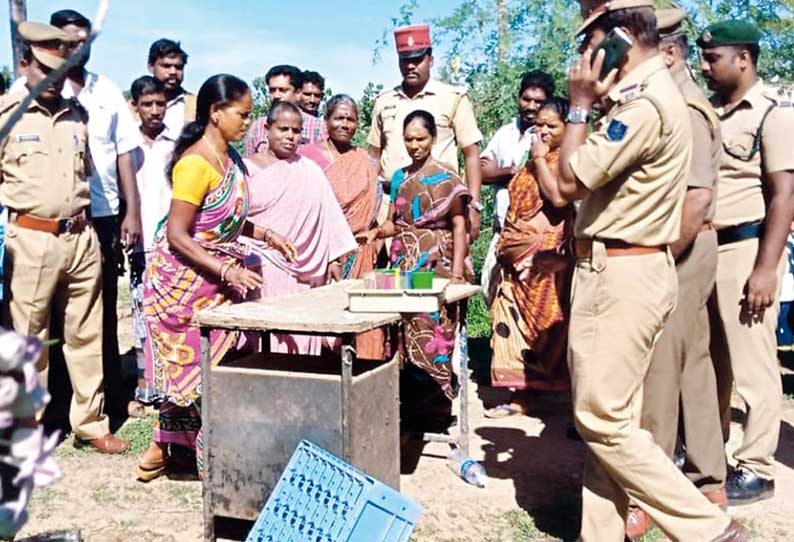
(319, 310)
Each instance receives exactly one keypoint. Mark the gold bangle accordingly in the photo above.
(456, 276)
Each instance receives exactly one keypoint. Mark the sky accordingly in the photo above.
(242, 37)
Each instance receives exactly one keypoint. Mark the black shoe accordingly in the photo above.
(745, 487)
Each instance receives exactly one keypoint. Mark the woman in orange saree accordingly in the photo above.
(529, 313)
(353, 176)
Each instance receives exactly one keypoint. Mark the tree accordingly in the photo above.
(18, 12)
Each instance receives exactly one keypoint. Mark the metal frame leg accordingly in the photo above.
(348, 357)
(463, 437)
(206, 406)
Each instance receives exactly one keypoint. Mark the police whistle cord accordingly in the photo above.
(54, 75)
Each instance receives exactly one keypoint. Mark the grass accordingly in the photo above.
(137, 430)
(479, 317)
(654, 535)
(522, 526)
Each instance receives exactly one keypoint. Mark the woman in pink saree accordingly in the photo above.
(198, 263)
(291, 196)
(354, 179)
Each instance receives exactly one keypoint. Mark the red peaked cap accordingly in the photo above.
(412, 41)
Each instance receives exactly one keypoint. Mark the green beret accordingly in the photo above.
(729, 33)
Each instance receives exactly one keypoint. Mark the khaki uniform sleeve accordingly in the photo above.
(465, 124)
(375, 131)
(777, 140)
(701, 170)
(602, 157)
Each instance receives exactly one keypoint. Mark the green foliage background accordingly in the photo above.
(489, 58)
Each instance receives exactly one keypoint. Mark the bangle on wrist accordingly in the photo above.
(224, 270)
(457, 276)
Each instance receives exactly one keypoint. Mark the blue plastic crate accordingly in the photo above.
(320, 498)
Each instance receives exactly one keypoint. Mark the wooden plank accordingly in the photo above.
(459, 292)
(320, 310)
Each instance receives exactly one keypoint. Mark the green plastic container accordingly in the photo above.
(423, 280)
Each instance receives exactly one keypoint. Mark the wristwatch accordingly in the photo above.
(578, 115)
(477, 206)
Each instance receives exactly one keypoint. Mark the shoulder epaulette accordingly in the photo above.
(77, 106)
(705, 109)
(779, 95)
(637, 92)
(8, 101)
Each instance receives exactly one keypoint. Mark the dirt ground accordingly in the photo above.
(532, 493)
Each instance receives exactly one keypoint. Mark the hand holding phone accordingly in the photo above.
(616, 45)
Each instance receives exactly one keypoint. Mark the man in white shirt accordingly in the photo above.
(507, 151)
(167, 63)
(112, 136)
(150, 160)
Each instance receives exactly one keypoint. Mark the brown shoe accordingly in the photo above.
(108, 444)
(734, 533)
(152, 464)
(637, 523)
(718, 497)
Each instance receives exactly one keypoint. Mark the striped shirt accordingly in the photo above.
(313, 131)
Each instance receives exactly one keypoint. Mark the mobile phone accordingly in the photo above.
(615, 45)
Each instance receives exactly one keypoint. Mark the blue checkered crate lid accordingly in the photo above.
(320, 498)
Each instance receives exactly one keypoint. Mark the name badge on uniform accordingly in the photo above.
(27, 138)
(616, 130)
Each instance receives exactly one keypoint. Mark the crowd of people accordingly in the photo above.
(635, 264)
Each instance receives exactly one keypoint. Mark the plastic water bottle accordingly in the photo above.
(467, 468)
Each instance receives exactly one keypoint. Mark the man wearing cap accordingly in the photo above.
(630, 175)
(113, 135)
(681, 367)
(451, 107)
(53, 251)
(755, 207)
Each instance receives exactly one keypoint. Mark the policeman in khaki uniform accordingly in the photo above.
(53, 252)
(450, 106)
(681, 366)
(631, 177)
(755, 207)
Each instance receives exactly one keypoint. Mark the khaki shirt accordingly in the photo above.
(43, 160)
(635, 164)
(455, 122)
(741, 194)
(706, 139)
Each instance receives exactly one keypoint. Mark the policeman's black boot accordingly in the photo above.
(745, 487)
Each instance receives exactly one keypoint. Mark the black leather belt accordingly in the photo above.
(742, 232)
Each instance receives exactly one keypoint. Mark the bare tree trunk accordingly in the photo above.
(501, 10)
(18, 11)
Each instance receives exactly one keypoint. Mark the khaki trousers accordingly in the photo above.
(745, 352)
(619, 306)
(66, 268)
(681, 368)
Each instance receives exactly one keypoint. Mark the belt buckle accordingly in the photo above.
(68, 225)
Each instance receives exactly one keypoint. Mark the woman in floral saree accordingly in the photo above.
(198, 263)
(529, 312)
(429, 229)
(354, 179)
